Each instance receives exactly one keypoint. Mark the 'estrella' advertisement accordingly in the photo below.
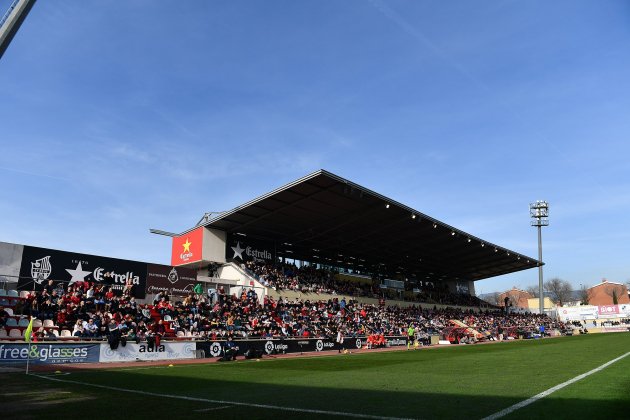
(39, 265)
(240, 249)
(187, 248)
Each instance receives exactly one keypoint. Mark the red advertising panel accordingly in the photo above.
(187, 248)
(608, 310)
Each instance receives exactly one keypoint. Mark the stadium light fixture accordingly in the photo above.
(163, 232)
(539, 211)
(386, 206)
(413, 216)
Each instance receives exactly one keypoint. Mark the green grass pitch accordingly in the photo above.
(452, 382)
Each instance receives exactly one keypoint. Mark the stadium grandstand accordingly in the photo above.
(317, 258)
(328, 222)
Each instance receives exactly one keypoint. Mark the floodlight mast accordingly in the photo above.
(539, 211)
(10, 22)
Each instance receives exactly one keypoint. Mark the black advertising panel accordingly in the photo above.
(271, 346)
(243, 248)
(293, 345)
(175, 281)
(42, 264)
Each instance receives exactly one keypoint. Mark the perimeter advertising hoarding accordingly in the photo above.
(242, 248)
(614, 311)
(132, 352)
(608, 310)
(292, 345)
(187, 248)
(42, 264)
(578, 313)
(49, 353)
(175, 281)
(271, 346)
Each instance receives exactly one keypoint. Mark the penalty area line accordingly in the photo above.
(543, 394)
(233, 403)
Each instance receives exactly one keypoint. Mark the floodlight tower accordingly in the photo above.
(11, 21)
(539, 211)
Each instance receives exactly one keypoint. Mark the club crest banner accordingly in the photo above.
(175, 281)
(42, 264)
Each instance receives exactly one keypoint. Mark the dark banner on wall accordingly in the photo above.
(242, 248)
(42, 264)
(271, 346)
(49, 353)
(176, 281)
(292, 345)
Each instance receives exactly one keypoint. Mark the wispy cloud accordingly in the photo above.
(419, 35)
(35, 174)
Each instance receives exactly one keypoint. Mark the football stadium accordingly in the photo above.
(321, 298)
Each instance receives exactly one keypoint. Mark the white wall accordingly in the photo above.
(232, 272)
(213, 245)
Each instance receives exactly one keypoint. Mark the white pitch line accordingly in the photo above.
(207, 400)
(543, 394)
(213, 408)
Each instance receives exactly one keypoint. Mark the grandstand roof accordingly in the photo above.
(325, 218)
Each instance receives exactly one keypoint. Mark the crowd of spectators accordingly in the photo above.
(309, 279)
(91, 311)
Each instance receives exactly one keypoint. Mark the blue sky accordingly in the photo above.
(117, 117)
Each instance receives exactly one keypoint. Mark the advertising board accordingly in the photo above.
(143, 352)
(42, 264)
(175, 281)
(49, 353)
(240, 249)
(187, 248)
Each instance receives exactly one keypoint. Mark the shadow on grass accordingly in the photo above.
(106, 403)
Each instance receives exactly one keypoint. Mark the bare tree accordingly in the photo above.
(560, 290)
(513, 298)
(492, 298)
(533, 290)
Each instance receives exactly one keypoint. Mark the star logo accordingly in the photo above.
(78, 274)
(238, 251)
(186, 245)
